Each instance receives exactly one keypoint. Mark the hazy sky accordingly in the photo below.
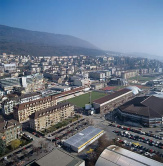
(117, 25)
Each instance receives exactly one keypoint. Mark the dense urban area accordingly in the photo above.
(80, 110)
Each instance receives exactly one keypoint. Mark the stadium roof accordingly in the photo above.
(112, 96)
(117, 156)
(149, 106)
(83, 136)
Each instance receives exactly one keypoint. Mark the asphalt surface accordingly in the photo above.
(104, 124)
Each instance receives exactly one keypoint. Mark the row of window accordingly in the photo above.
(38, 102)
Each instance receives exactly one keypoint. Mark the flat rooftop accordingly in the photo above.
(83, 136)
(58, 157)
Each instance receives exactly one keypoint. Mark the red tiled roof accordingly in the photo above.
(52, 98)
(69, 92)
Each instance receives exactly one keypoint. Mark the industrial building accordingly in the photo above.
(59, 157)
(9, 83)
(84, 138)
(116, 156)
(109, 102)
(147, 110)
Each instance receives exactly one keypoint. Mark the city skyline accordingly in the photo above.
(128, 26)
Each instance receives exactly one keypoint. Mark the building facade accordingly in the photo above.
(32, 83)
(129, 74)
(45, 118)
(8, 105)
(10, 130)
(10, 67)
(147, 110)
(24, 110)
(97, 75)
(110, 102)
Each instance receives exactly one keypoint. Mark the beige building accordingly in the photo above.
(129, 74)
(10, 130)
(22, 111)
(47, 117)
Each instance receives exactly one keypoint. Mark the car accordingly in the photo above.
(128, 129)
(140, 151)
(121, 141)
(151, 151)
(125, 128)
(125, 141)
(146, 153)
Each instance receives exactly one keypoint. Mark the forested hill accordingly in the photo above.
(26, 42)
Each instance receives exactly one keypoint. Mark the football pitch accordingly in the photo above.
(81, 100)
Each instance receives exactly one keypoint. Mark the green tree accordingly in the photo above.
(15, 144)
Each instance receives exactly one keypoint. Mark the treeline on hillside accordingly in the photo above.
(44, 50)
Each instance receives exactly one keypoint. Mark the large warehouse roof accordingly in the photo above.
(117, 156)
(58, 157)
(149, 106)
(81, 138)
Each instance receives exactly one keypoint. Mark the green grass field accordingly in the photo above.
(142, 79)
(81, 100)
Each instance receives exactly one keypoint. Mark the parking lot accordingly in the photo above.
(146, 141)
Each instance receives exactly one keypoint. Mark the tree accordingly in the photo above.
(2, 147)
(15, 144)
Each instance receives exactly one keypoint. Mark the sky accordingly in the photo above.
(116, 25)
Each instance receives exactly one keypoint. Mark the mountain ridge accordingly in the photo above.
(17, 39)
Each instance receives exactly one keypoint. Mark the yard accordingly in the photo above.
(81, 100)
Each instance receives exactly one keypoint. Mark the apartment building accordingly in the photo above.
(129, 74)
(10, 67)
(7, 105)
(97, 75)
(47, 117)
(10, 130)
(30, 97)
(24, 110)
